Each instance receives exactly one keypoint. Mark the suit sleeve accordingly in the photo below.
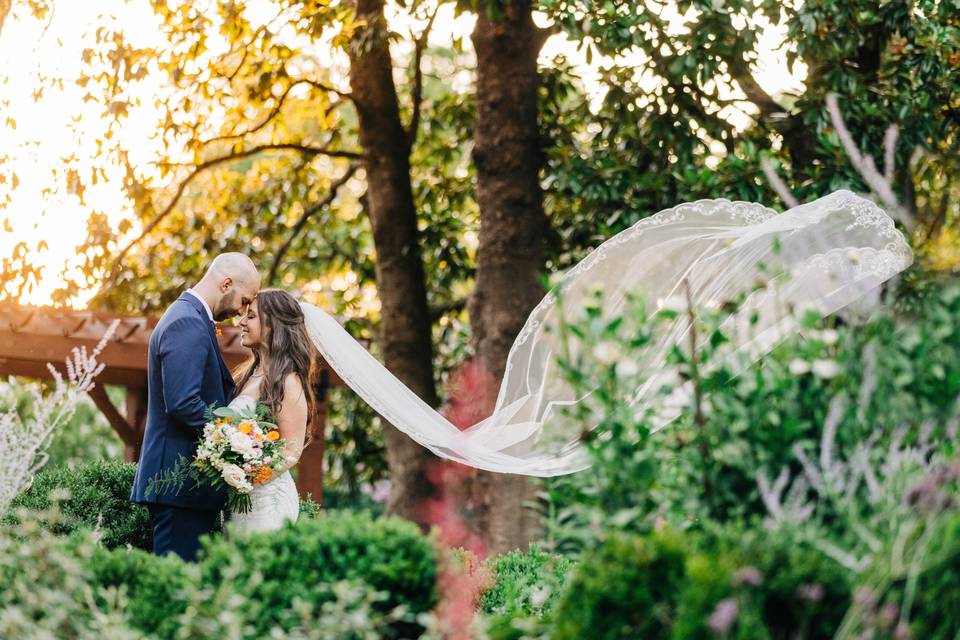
(184, 347)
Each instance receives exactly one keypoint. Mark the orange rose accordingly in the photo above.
(273, 436)
(245, 428)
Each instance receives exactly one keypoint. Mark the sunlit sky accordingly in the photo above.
(60, 124)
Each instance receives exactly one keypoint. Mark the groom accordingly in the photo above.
(185, 375)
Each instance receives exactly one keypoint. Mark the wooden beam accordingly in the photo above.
(113, 415)
(136, 378)
(45, 348)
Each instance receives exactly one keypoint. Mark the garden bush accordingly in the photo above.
(98, 498)
(336, 577)
(754, 584)
(525, 582)
(741, 584)
(276, 569)
(935, 611)
(49, 589)
(156, 588)
(628, 587)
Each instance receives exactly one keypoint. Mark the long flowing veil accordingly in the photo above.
(823, 255)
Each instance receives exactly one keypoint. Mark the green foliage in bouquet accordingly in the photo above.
(97, 497)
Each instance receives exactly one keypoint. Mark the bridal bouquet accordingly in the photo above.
(239, 449)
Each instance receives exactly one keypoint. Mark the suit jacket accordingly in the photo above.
(185, 375)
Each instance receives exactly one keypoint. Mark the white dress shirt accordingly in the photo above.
(203, 302)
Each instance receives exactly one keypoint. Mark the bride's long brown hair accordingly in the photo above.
(285, 338)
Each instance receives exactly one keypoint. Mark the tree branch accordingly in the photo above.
(305, 217)
(273, 112)
(770, 171)
(249, 45)
(203, 166)
(417, 93)
(680, 90)
(865, 165)
(437, 311)
(346, 95)
(890, 151)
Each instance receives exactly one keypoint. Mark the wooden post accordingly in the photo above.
(137, 419)
(115, 418)
(310, 468)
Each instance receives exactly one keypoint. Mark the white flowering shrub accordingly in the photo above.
(23, 442)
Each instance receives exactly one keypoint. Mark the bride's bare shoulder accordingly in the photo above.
(293, 389)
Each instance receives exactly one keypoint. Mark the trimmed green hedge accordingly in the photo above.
(156, 587)
(629, 587)
(99, 492)
(388, 554)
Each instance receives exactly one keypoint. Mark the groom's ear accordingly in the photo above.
(225, 284)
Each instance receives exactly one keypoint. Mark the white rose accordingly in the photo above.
(799, 367)
(606, 352)
(241, 444)
(825, 368)
(233, 475)
(718, 4)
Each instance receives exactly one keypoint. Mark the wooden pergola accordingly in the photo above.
(32, 337)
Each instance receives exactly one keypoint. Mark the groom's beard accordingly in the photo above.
(224, 310)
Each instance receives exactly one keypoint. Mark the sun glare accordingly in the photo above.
(49, 124)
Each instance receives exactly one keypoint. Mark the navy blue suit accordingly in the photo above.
(185, 375)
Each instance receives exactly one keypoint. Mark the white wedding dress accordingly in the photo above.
(273, 503)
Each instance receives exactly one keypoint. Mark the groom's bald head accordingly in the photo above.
(230, 284)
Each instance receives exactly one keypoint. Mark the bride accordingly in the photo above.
(279, 374)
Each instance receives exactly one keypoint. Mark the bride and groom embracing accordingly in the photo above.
(186, 375)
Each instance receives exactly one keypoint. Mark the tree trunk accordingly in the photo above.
(405, 320)
(508, 157)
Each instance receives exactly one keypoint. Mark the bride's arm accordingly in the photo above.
(292, 420)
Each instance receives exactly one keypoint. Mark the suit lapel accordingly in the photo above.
(228, 384)
(224, 369)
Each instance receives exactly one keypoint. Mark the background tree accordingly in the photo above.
(271, 146)
(664, 131)
(508, 157)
